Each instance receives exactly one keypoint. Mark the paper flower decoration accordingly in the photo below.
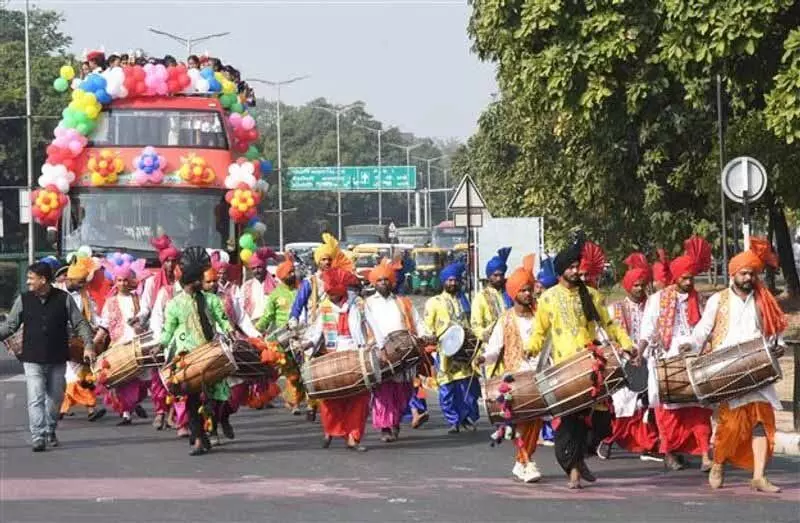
(105, 167)
(149, 167)
(196, 171)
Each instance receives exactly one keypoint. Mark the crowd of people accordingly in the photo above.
(522, 321)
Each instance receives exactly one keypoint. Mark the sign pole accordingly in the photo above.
(746, 220)
(721, 184)
(469, 245)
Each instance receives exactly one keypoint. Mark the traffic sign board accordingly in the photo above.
(744, 174)
(467, 196)
(370, 178)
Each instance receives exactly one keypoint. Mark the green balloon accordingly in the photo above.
(252, 153)
(247, 242)
(237, 108)
(60, 84)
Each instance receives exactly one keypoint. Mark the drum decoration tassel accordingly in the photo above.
(507, 429)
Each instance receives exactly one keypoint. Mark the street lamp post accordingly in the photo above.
(379, 132)
(338, 111)
(278, 85)
(428, 210)
(408, 149)
(29, 138)
(188, 41)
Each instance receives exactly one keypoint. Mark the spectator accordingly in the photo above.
(97, 61)
(193, 62)
(114, 61)
(124, 60)
(170, 61)
(216, 64)
(85, 70)
(47, 314)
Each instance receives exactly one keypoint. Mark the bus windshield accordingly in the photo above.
(449, 237)
(159, 128)
(127, 219)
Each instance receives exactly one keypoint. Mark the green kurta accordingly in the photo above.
(183, 332)
(278, 308)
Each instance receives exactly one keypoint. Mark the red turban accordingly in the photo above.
(683, 266)
(165, 248)
(337, 281)
(260, 257)
(521, 277)
(760, 255)
(285, 267)
(593, 262)
(638, 271)
(385, 269)
(661, 269)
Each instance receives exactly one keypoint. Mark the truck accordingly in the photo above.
(365, 233)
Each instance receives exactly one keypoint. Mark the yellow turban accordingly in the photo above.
(328, 249)
(80, 269)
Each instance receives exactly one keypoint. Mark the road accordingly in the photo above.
(275, 470)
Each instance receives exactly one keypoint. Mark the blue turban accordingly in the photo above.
(454, 270)
(498, 263)
(52, 261)
(547, 273)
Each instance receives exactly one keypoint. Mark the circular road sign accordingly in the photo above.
(744, 174)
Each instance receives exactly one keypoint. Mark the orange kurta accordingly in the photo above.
(734, 436)
(77, 395)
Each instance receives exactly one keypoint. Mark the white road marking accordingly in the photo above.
(17, 378)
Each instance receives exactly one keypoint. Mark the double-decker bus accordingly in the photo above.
(125, 215)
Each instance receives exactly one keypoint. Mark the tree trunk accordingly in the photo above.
(784, 244)
(770, 272)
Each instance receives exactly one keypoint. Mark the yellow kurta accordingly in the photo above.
(486, 308)
(560, 315)
(440, 312)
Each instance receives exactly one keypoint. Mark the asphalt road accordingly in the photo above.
(275, 470)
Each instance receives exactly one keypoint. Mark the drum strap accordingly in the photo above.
(491, 301)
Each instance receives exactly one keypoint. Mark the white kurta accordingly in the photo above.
(252, 294)
(314, 333)
(743, 325)
(625, 400)
(385, 316)
(681, 334)
(159, 307)
(494, 346)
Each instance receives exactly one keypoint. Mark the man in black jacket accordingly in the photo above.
(47, 313)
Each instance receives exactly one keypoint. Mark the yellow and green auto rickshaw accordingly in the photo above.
(428, 262)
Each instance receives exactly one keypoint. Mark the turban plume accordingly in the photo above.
(498, 262)
(593, 261)
(638, 271)
(385, 269)
(285, 267)
(165, 248)
(337, 281)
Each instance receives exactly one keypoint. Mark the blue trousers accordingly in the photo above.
(415, 403)
(459, 400)
(548, 434)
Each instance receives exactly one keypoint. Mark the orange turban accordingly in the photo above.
(385, 269)
(760, 255)
(521, 277)
(285, 267)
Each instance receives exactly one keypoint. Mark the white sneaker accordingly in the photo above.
(545, 443)
(531, 473)
(518, 471)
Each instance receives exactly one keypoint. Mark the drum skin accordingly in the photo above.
(204, 365)
(567, 386)
(340, 374)
(674, 385)
(731, 372)
(526, 400)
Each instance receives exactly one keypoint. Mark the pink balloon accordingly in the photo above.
(235, 119)
(248, 122)
(75, 147)
(161, 89)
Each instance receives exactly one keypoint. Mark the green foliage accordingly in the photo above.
(607, 113)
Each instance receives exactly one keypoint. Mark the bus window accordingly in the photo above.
(160, 128)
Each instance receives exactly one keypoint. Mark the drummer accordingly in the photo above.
(633, 427)
(190, 321)
(276, 315)
(459, 389)
(745, 432)
(122, 315)
(339, 327)
(669, 316)
(385, 313)
(505, 353)
(490, 303)
(570, 314)
(76, 393)
(157, 292)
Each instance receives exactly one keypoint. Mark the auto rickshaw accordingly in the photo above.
(459, 253)
(364, 263)
(428, 263)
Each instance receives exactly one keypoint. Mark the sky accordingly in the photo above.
(408, 60)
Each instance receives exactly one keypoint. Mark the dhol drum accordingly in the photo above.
(731, 372)
(248, 362)
(568, 386)
(458, 343)
(13, 343)
(674, 385)
(400, 351)
(123, 361)
(203, 366)
(526, 400)
(341, 374)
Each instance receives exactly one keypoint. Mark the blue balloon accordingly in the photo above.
(252, 222)
(207, 73)
(99, 80)
(214, 86)
(265, 166)
(102, 96)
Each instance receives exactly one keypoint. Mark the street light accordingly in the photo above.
(408, 149)
(278, 85)
(338, 111)
(188, 41)
(379, 132)
(29, 136)
(428, 194)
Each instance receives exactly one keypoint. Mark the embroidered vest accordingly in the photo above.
(513, 348)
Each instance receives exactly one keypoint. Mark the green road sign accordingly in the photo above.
(390, 178)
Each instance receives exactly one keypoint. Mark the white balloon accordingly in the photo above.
(202, 85)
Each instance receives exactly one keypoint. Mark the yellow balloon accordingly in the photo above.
(67, 72)
(245, 255)
(197, 171)
(243, 208)
(90, 98)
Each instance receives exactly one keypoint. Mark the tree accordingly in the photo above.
(618, 97)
